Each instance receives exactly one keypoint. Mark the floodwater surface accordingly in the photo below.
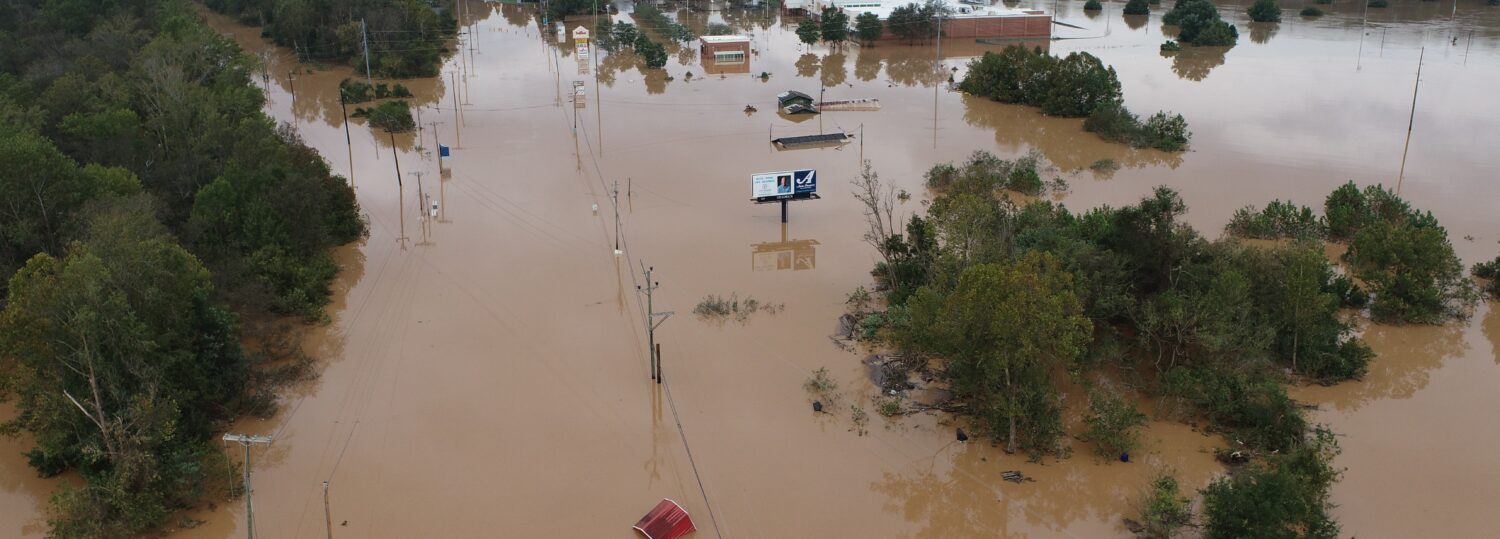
(485, 373)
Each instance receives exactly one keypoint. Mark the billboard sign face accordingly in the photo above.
(784, 185)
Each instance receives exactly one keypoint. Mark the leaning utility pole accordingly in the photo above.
(365, 37)
(401, 189)
(421, 205)
(245, 441)
(1410, 120)
(457, 135)
(652, 323)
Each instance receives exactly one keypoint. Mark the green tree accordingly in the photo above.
(1413, 271)
(868, 28)
(808, 31)
(1194, 18)
(1113, 423)
(1137, 7)
(1093, 5)
(392, 117)
(1265, 11)
(121, 366)
(1002, 328)
(1165, 509)
(1286, 498)
(835, 25)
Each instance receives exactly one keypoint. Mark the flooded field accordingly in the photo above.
(485, 374)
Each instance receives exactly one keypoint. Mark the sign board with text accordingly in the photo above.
(785, 185)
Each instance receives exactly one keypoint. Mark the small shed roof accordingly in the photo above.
(665, 521)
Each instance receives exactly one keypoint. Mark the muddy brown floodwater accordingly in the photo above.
(488, 378)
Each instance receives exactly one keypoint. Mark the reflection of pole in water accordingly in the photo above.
(457, 134)
(1410, 120)
(348, 140)
(401, 190)
(937, 67)
(1363, 20)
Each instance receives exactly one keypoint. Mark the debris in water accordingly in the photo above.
(1015, 476)
(961, 436)
(817, 406)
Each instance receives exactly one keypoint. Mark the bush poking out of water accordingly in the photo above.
(1289, 492)
(985, 174)
(1278, 220)
(820, 385)
(1113, 423)
(1105, 165)
(1198, 22)
(1489, 270)
(889, 407)
(859, 418)
(1170, 46)
(1166, 132)
(1137, 7)
(1070, 86)
(714, 306)
(1264, 11)
(1092, 5)
(1311, 11)
(1165, 509)
(1379, 3)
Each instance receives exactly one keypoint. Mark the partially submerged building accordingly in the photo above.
(725, 54)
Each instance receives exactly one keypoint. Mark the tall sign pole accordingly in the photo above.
(246, 441)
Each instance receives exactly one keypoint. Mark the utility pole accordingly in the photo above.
(291, 78)
(652, 323)
(614, 197)
(456, 118)
(1410, 120)
(436, 144)
(246, 441)
(401, 189)
(364, 37)
(348, 141)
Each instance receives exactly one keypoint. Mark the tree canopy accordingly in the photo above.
(404, 37)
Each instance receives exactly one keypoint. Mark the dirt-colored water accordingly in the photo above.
(490, 379)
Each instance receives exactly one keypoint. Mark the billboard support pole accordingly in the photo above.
(783, 211)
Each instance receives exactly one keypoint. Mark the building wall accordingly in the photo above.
(709, 49)
(1010, 27)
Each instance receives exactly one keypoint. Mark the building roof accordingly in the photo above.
(958, 10)
(725, 39)
(793, 95)
(665, 521)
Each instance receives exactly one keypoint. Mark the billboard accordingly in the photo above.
(784, 185)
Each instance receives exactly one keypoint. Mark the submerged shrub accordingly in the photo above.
(1265, 11)
(1311, 11)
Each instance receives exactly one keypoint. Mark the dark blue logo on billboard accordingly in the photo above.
(805, 181)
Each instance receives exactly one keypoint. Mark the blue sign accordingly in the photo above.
(805, 182)
(442, 151)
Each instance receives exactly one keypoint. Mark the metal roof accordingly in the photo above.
(665, 521)
(725, 39)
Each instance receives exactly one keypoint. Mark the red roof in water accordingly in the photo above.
(665, 521)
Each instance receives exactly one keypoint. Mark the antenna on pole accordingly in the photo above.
(246, 441)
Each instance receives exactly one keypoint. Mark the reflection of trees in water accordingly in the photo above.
(1492, 329)
(807, 65)
(1261, 32)
(1404, 357)
(515, 15)
(616, 62)
(970, 499)
(1018, 127)
(656, 81)
(912, 70)
(1194, 63)
(833, 69)
(866, 65)
(742, 20)
(1136, 22)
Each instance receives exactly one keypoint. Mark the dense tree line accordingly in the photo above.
(1009, 299)
(1077, 85)
(152, 219)
(405, 37)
